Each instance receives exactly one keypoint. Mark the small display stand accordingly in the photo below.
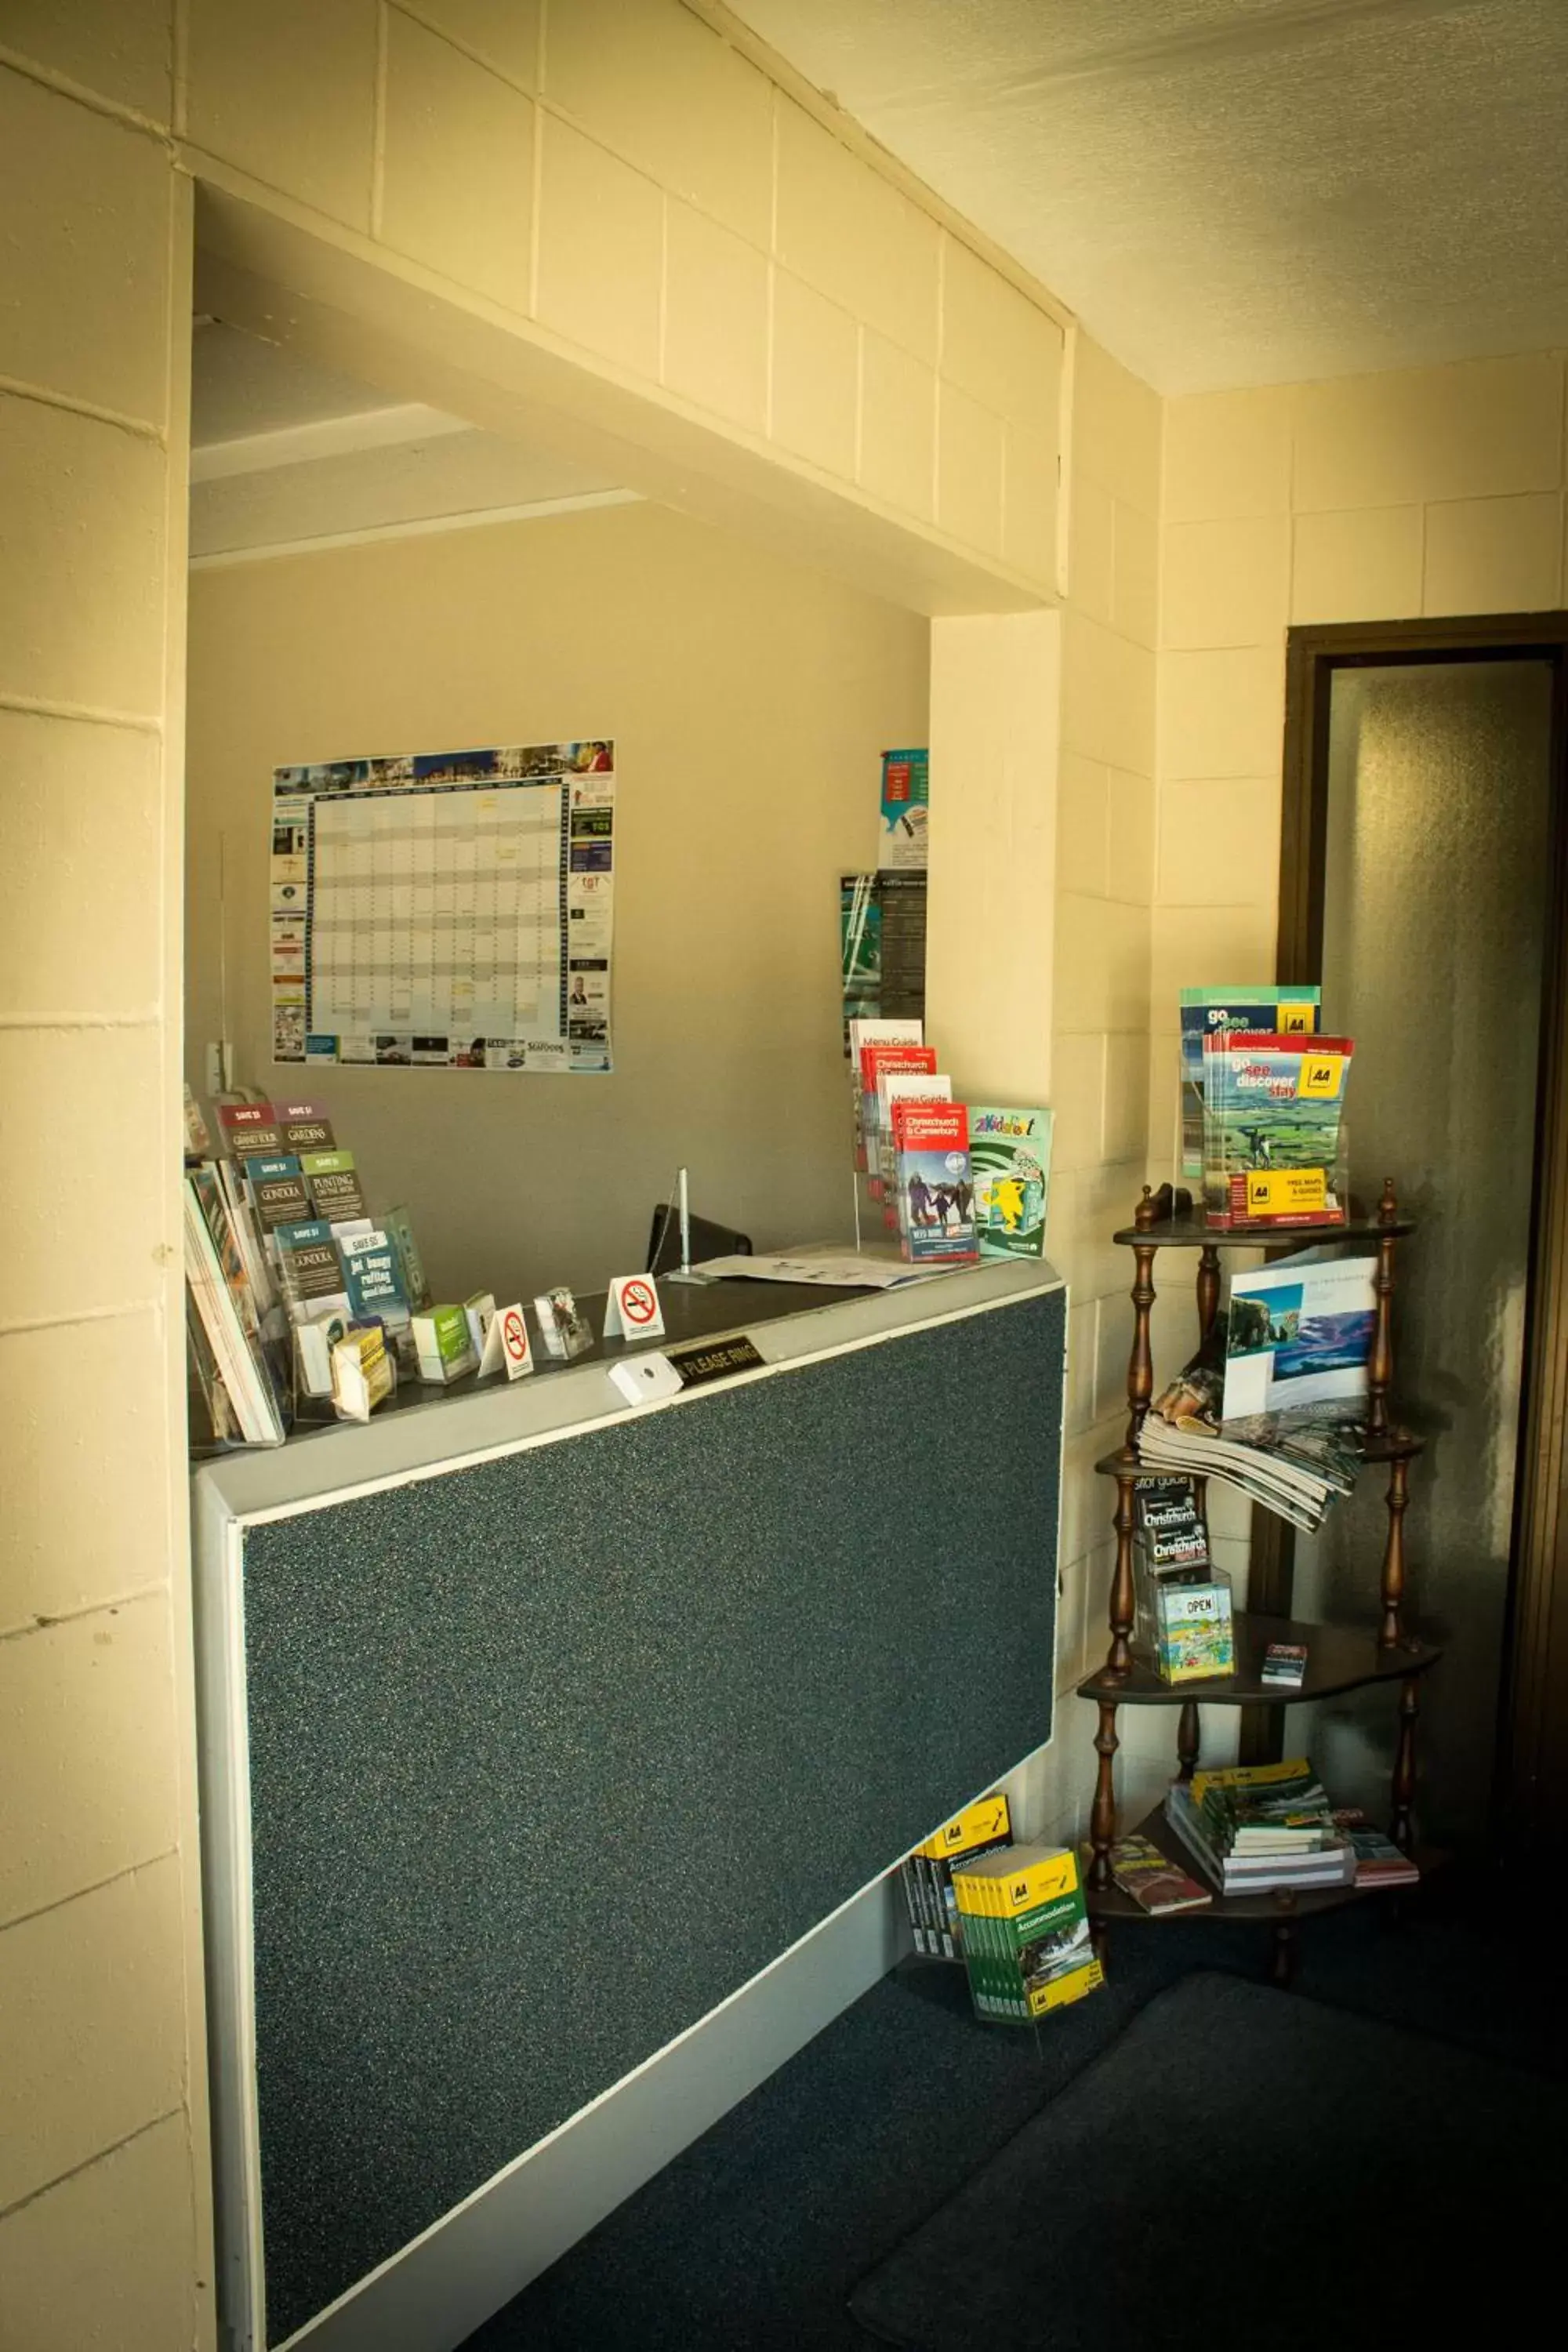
(1338, 1658)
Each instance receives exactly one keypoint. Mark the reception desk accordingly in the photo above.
(554, 1754)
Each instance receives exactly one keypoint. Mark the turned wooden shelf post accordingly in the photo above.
(1188, 1739)
(1102, 1813)
(1390, 1631)
(1140, 1389)
(1400, 1827)
(1380, 1361)
(1141, 1362)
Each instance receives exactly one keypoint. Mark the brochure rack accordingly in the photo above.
(1338, 1658)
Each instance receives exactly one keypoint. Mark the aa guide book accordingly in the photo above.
(1026, 1935)
(933, 1910)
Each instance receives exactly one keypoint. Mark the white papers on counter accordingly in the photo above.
(825, 1264)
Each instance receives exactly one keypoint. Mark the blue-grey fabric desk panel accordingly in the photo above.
(551, 1751)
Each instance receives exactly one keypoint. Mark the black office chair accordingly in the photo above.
(708, 1240)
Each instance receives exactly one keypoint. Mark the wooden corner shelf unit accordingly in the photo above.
(1338, 1658)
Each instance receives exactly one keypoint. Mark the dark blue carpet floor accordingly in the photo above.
(755, 2236)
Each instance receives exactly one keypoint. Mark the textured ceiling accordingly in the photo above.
(1235, 191)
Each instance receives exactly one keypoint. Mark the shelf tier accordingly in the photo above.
(1394, 1445)
(1191, 1233)
(1338, 1658)
(1265, 1910)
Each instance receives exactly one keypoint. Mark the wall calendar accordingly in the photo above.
(447, 909)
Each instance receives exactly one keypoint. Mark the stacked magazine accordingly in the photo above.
(1258, 1829)
(1275, 1400)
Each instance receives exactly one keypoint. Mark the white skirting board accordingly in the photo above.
(443, 2286)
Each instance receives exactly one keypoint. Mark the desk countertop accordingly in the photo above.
(429, 1429)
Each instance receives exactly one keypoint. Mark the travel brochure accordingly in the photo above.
(1272, 1112)
(955, 1181)
(1013, 1916)
(323, 1306)
(1209, 1012)
(1299, 1333)
(1274, 1400)
(1262, 1096)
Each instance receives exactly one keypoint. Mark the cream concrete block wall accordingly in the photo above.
(617, 183)
(1426, 491)
(1431, 491)
(1072, 901)
(103, 2226)
(631, 177)
(996, 728)
(1105, 851)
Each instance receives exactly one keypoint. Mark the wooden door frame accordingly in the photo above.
(1536, 1657)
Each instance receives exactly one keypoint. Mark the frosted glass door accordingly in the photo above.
(1436, 877)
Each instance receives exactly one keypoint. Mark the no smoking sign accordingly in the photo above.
(506, 1346)
(632, 1310)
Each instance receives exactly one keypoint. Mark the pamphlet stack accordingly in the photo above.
(309, 1272)
(1026, 1935)
(928, 1874)
(1184, 1621)
(935, 1185)
(1272, 1110)
(1010, 1151)
(1258, 1829)
(1248, 1011)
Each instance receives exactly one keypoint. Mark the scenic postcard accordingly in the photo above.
(1299, 1332)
